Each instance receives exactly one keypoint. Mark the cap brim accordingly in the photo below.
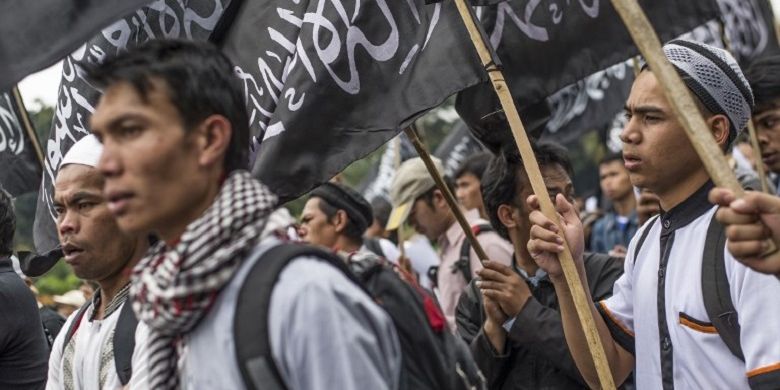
(398, 216)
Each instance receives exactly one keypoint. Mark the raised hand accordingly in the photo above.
(545, 243)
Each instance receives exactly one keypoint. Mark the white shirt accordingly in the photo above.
(91, 340)
(699, 358)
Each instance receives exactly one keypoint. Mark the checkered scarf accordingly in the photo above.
(174, 287)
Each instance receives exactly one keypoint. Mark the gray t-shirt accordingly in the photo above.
(326, 333)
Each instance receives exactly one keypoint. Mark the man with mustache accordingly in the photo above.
(83, 353)
(658, 318)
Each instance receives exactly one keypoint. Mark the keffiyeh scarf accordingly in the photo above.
(173, 287)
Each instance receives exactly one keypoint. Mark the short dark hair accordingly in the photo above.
(505, 172)
(7, 224)
(764, 78)
(199, 80)
(476, 164)
(611, 157)
(352, 230)
(381, 208)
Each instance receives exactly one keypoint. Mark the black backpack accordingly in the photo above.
(714, 284)
(432, 357)
(124, 339)
(374, 246)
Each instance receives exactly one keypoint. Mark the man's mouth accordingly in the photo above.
(118, 201)
(71, 252)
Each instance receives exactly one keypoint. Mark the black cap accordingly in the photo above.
(349, 200)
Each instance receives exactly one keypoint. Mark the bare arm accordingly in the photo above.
(544, 246)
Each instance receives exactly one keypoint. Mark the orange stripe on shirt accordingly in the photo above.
(763, 370)
(697, 327)
(615, 320)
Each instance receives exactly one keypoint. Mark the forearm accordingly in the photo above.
(491, 362)
(619, 360)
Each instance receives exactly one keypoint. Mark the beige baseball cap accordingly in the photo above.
(410, 182)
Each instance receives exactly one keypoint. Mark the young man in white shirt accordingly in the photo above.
(656, 320)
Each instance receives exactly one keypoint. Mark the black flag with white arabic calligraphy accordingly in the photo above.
(328, 82)
(194, 19)
(21, 170)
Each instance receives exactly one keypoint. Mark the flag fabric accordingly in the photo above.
(377, 182)
(21, 172)
(329, 82)
(545, 46)
(36, 34)
(459, 145)
(194, 19)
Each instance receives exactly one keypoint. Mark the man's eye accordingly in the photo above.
(86, 206)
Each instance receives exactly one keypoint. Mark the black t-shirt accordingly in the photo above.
(52, 323)
(24, 352)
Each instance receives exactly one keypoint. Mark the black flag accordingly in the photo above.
(21, 172)
(377, 182)
(328, 82)
(456, 148)
(36, 34)
(77, 98)
(545, 46)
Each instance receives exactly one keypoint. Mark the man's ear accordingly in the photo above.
(438, 199)
(340, 221)
(720, 126)
(214, 135)
(506, 214)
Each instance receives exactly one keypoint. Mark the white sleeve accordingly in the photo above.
(54, 381)
(328, 334)
(391, 252)
(140, 362)
(755, 297)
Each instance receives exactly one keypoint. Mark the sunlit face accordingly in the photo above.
(614, 180)
(315, 228)
(767, 123)
(91, 240)
(656, 150)
(468, 192)
(153, 178)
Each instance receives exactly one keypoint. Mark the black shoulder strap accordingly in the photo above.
(124, 342)
(74, 325)
(716, 291)
(250, 327)
(374, 246)
(464, 261)
(643, 237)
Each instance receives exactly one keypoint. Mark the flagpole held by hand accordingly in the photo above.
(579, 297)
(411, 132)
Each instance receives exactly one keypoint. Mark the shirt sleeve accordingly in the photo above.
(618, 310)
(140, 362)
(326, 333)
(755, 297)
(54, 381)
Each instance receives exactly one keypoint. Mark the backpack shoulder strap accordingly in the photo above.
(464, 260)
(643, 237)
(124, 342)
(74, 325)
(374, 246)
(250, 325)
(716, 290)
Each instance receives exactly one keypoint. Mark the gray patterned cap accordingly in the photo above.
(714, 76)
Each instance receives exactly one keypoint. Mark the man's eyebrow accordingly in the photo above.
(85, 195)
(644, 110)
(115, 122)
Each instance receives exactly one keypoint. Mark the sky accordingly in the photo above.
(45, 84)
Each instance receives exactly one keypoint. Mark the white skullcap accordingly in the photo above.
(86, 151)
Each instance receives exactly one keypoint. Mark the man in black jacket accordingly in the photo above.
(510, 314)
(23, 348)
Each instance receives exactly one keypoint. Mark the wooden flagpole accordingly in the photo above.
(28, 125)
(411, 132)
(581, 303)
(680, 98)
(396, 164)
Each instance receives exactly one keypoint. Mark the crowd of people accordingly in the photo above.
(204, 282)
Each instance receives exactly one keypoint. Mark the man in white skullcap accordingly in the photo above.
(102, 345)
(685, 314)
